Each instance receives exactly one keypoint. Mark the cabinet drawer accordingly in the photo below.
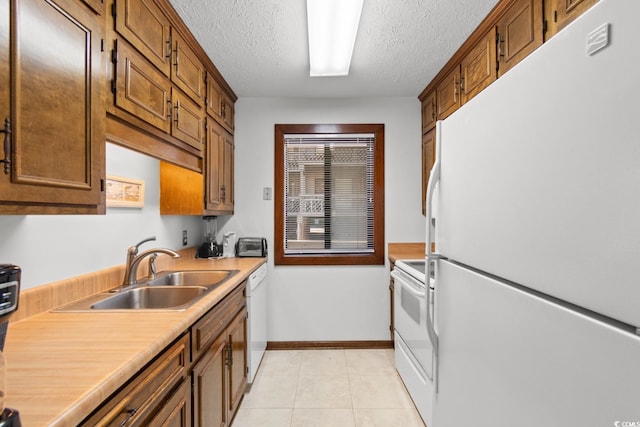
(205, 330)
(143, 396)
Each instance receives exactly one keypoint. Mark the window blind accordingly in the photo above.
(329, 199)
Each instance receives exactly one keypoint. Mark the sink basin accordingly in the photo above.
(192, 278)
(150, 298)
(170, 290)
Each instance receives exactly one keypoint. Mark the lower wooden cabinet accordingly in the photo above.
(143, 398)
(220, 377)
(197, 381)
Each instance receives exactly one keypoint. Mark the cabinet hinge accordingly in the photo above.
(114, 55)
(101, 45)
(246, 370)
(555, 16)
(101, 184)
(113, 9)
(113, 86)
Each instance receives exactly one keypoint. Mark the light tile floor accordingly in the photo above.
(327, 388)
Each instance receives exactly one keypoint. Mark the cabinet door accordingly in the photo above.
(188, 120)
(187, 72)
(219, 105)
(429, 112)
(428, 159)
(144, 25)
(209, 386)
(565, 11)
(238, 368)
(141, 89)
(96, 5)
(219, 169)
(176, 411)
(478, 67)
(519, 33)
(448, 94)
(52, 94)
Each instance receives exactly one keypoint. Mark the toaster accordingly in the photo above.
(251, 247)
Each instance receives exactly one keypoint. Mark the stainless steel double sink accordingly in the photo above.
(169, 290)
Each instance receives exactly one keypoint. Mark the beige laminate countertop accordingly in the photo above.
(63, 365)
(398, 251)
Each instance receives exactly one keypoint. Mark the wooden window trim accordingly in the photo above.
(375, 258)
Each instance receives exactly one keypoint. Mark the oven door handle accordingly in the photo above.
(413, 290)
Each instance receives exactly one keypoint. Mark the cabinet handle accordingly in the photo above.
(131, 413)
(7, 146)
(433, 108)
(176, 109)
(500, 47)
(169, 109)
(461, 84)
(223, 109)
(223, 194)
(169, 49)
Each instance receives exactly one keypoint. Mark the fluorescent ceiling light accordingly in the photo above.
(333, 25)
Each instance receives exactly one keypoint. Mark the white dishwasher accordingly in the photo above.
(257, 290)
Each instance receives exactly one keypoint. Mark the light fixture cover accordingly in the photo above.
(333, 25)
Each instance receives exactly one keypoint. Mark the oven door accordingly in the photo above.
(410, 318)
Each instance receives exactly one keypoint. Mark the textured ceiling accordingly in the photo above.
(260, 46)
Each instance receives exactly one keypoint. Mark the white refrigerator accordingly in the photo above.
(535, 196)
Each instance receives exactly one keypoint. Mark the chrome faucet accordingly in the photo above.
(133, 260)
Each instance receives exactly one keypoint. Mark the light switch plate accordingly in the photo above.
(266, 193)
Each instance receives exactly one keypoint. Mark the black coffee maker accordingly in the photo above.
(209, 247)
(9, 290)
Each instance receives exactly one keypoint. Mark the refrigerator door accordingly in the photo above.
(539, 173)
(508, 358)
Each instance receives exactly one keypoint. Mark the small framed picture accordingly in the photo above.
(125, 192)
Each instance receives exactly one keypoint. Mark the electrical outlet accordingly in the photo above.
(266, 193)
(185, 240)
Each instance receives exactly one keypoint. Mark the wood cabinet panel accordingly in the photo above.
(141, 89)
(53, 97)
(560, 13)
(519, 33)
(429, 112)
(238, 360)
(144, 25)
(448, 94)
(219, 104)
(140, 400)
(176, 411)
(187, 72)
(219, 166)
(188, 120)
(210, 385)
(478, 67)
(96, 5)
(428, 159)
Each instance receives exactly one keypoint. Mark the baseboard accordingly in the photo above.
(316, 345)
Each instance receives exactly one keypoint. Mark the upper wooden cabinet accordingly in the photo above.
(478, 67)
(219, 164)
(219, 104)
(429, 112)
(519, 33)
(140, 88)
(148, 30)
(188, 120)
(187, 71)
(96, 5)
(559, 13)
(52, 97)
(448, 97)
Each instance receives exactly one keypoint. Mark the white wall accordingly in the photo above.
(54, 247)
(328, 303)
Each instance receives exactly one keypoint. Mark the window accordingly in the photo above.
(329, 194)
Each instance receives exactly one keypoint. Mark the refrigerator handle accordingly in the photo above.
(431, 257)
